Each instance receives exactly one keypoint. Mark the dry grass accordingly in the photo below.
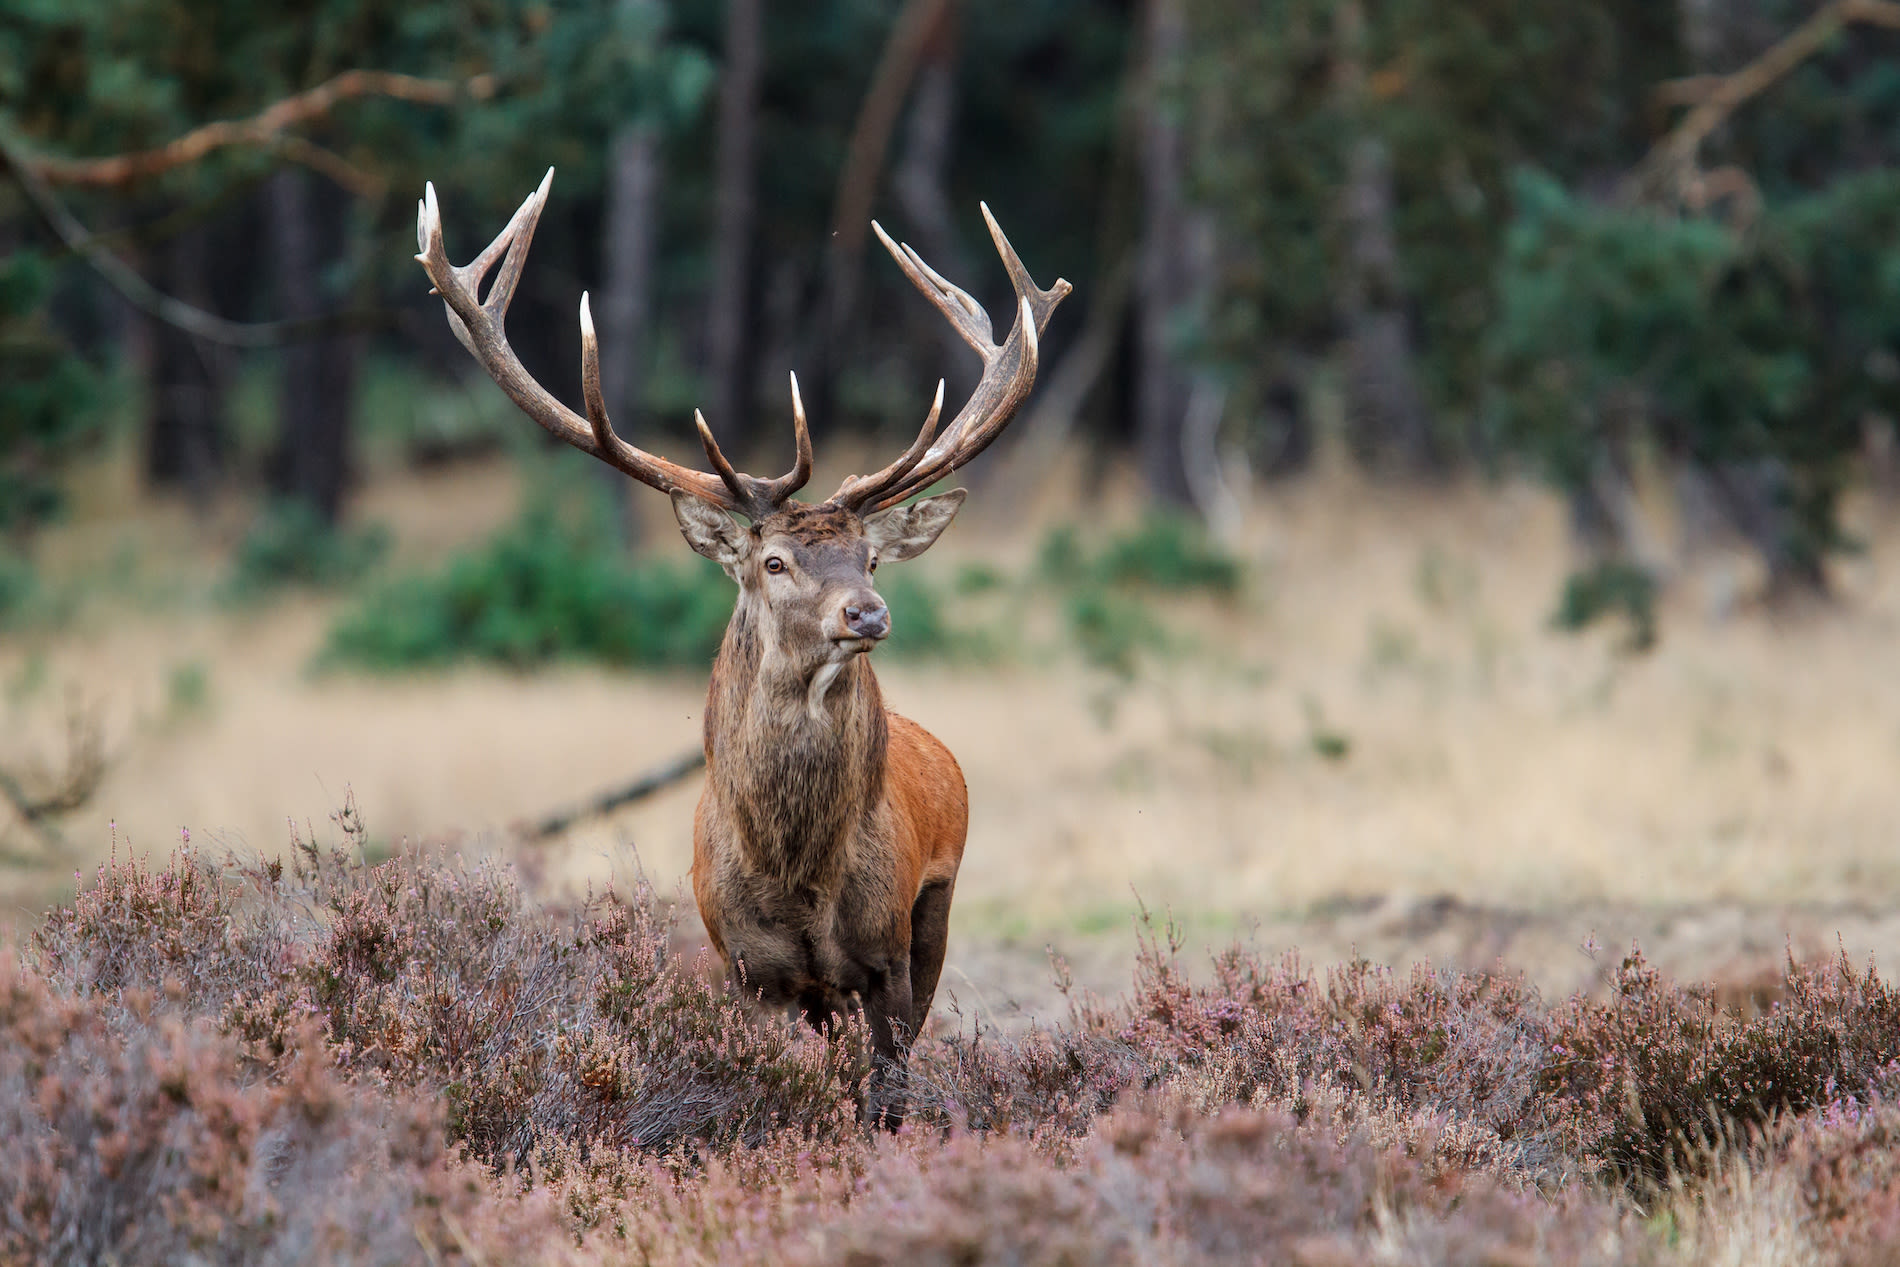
(1748, 762)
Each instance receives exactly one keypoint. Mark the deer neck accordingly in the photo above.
(795, 752)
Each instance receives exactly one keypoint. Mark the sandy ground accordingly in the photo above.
(1505, 791)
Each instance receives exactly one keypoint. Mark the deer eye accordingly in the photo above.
(873, 566)
(775, 565)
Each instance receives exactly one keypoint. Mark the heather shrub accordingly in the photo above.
(422, 971)
(1655, 1070)
(339, 1060)
(151, 1143)
(1844, 1164)
(183, 929)
(1160, 1180)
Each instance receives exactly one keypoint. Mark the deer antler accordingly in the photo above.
(477, 323)
(1009, 371)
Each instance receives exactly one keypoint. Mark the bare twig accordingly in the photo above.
(1670, 166)
(147, 298)
(85, 770)
(655, 780)
(365, 184)
(259, 129)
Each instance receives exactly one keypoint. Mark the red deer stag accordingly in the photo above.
(826, 843)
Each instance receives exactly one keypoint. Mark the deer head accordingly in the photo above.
(805, 571)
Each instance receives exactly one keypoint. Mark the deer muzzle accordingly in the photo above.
(866, 620)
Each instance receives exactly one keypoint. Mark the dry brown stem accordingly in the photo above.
(261, 128)
(1670, 166)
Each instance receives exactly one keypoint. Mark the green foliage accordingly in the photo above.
(1735, 351)
(289, 543)
(49, 397)
(1165, 551)
(19, 585)
(921, 627)
(1458, 94)
(552, 587)
(1107, 593)
(1606, 589)
(1112, 630)
(540, 590)
(1169, 552)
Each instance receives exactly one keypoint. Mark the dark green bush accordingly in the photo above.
(1112, 630)
(540, 590)
(1610, 588)
(1105, 591)
(1169, 552)
(49, 396)
(291, 544)
(1163, 552)
(547, 589)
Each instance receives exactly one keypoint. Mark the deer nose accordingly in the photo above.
(867, 620)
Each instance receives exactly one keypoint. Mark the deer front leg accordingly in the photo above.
(887, 1007)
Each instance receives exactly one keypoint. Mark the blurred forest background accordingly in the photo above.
(1644, 255)
(1554, 238)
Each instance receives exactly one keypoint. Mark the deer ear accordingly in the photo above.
(904, 532)
(710, 530)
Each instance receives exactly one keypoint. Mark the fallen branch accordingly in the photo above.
(655, 780)
(261, 128)
(1670, 165)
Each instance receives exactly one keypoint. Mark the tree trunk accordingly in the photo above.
(312, 459)
(1753, 496)
(185, 441)
(626, 300)
(1163, 282)
(921, 183)
(729, 309)
(1387, 423)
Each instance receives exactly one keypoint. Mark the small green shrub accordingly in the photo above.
(1107, 617)
(1608, 589)
(919, 627)
(291, 544)
(18, 586)
(548, 588)
(540, 590)
(1169, 552)
(1111, 629)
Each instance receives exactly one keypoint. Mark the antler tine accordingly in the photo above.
(986, 413)
(963, 312)
(859, 489)
(760, 497)
(1012, 263)
(780, 489)
(1009, 372)
(744, 495)
(478, 323)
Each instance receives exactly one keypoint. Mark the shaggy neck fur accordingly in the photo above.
(794, 751)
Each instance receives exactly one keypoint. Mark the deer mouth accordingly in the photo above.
(854, 644)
